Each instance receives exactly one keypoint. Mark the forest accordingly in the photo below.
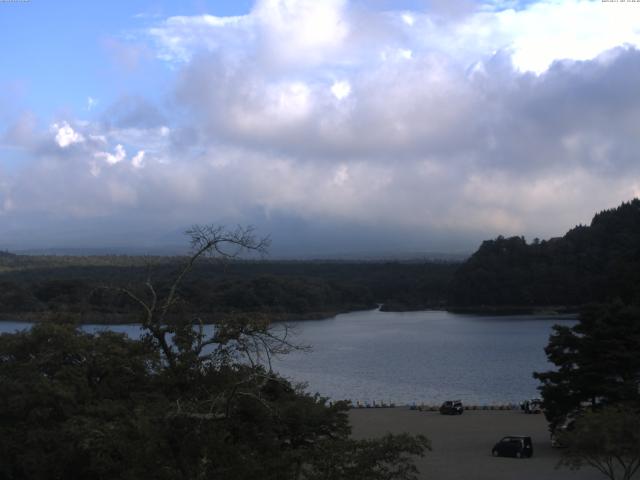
(599, 262)
(88, 287)
(595, 263)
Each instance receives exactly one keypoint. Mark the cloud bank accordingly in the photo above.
(337, 127)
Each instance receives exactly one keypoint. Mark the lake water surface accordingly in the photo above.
(427, 356)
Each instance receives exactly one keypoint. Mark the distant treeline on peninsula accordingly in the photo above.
(87, 287)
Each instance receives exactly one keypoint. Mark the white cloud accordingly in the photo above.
(573, 29)
(289, 101)
(302, 30)
(272, 109)
(150, 138)
(117, 156)
(178, 37)
(138, 160)
(65, 135)
(341, 89)
(94, 169)
(408, 19)
(307, 33)
(341, 176)
(405, 53)
(287, 31)
(98, 138)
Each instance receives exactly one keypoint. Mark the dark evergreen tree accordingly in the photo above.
(596, 263)
(597, 360)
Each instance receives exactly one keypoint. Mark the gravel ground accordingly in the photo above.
(462, 444)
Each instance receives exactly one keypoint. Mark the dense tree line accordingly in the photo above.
(279, 289)
(594, 263)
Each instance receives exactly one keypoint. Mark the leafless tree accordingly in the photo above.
(184, 343)
(183, 338)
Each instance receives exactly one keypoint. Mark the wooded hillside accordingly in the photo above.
(594, 263)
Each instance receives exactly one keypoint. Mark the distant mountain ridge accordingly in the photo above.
(177, 250)
(592, 263)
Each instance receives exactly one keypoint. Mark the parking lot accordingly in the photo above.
(462, 443)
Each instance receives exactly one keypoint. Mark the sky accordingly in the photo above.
(337, 127)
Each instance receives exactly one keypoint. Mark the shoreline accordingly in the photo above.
(93, 318)
(505, 406)
(518, 310)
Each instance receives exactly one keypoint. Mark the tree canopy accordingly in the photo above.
(607, 440)
(177, 404)
(597, 361)
(39, 287)
(595, 263)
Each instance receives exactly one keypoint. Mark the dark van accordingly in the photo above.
(513, 446)
(452, 407)
(532, 406)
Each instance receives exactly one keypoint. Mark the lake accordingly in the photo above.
(408, 357)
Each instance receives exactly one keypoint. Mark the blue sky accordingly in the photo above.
(57, 54)
(334, 125)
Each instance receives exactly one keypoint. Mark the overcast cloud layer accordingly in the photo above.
(337, 128)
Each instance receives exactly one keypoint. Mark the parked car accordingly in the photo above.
(513, 446)
(556, 434)
(452, 407)
(532, 406)
(555, 440)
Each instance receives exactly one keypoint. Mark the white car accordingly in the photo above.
(532, 406)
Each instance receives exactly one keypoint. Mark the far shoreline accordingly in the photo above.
(93, 318)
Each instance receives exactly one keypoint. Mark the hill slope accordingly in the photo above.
(591, 263)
